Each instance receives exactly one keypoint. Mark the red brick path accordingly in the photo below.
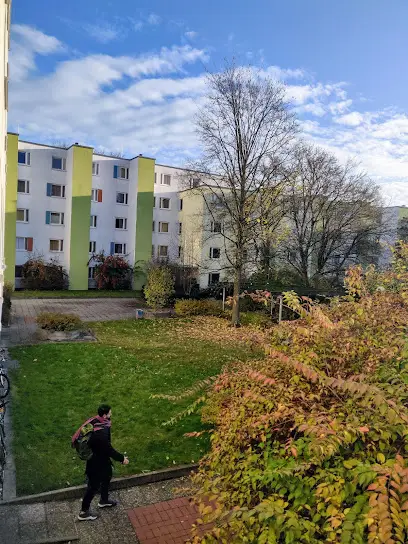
(165, 522)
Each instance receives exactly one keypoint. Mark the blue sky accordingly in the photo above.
(128, 76)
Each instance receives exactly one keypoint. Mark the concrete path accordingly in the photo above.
(24, 312)
(54, 521)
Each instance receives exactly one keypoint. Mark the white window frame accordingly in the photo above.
(27, 158)
(126, 198)
(161, 223)
(195, 182)
(164, 178)
(91, 275)
(25, 213)
(161, 203)
(94, 221)
(61, 219)
(123, 246)
(25, 243)
(26, 187)
(155, 178)
(126, 172)
(95, 168)
(124, 219)
(92, 246)
(94, 195)
(62, 187)
(212, 253)
(154, 226)
(60, 246)
(180, 228)
(210, 274)
(180, 252)
(154, 202)
(63, 163)
(158, 251)
(213, 223)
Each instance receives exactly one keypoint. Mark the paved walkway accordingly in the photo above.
(35, 523)
(24, 312)
(167, 522)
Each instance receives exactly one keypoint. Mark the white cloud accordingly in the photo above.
(102, 32)
(352, 119)
(153, 19)
(191, 34)
(27, 42)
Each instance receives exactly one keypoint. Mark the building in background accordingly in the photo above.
(5, 14)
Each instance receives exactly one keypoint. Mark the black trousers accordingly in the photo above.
(96, 483)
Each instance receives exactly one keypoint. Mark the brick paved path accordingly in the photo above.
(166, 522)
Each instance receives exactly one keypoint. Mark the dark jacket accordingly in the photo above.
(100, 463)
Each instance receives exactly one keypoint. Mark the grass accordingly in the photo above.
(92, 293)
(58, 386)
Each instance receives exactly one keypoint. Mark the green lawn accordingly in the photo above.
(93, 293)
(58, 386)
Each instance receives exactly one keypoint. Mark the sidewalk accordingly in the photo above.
(48, 522)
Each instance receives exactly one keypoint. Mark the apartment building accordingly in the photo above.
(5, 14)
(69, 204)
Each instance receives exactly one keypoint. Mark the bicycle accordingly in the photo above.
(4, 379)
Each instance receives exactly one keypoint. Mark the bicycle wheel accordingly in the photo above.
(4, 386)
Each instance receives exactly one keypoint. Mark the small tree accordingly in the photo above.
(160, 285)
(112, 272)
(39, 274)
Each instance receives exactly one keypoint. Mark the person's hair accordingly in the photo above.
(103, 410)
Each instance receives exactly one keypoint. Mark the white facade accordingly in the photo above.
(5, 14)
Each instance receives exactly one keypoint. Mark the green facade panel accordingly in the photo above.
(11, 208)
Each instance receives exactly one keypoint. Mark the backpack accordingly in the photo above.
(80, 440)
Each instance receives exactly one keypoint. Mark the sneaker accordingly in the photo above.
(87, 516)
(108, 503)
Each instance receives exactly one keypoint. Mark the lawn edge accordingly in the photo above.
(116, 483)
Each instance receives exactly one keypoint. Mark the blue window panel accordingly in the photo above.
(49, 189)
(48, 218)
(21, 157)
(112, 248)
(57, 163)
(116, 172)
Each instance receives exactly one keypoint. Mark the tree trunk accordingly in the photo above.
(235, 321)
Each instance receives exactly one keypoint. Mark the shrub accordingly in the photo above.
(159, 287)
(198, 307)
(112, 272)
(8, 289)
(255, 319)
(310, 445)
(38, 274)
(59, 322)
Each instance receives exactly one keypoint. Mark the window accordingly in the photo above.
(120, 172)
(213, 277)
(152, 251)
(215, 252)
(58, 163)
(119, 249)
(24, 157)
(180, 229)
(91, 273)
(95, 168)
(54, 218)
(155, 177)
(24, 244)
(122, 198)
(163, 227)
(154, 202)
(216, 199)
(165, 203)
(165, 179)
(18, 271)
(96, 195)
(120, 223)
(195, 182)
(23, 186)
(56, 190)
(154, 226)
(22, 215)
(56, 245)
(94, 221)
(162, 251)
(92, 247)
(181, 204)
(216, 226)
(180, 252)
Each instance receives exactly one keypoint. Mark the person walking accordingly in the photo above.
(99, 466)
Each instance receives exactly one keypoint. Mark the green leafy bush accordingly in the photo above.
(184, 308)
(309, 444)
(8, 289)
(59, 322)
(256, 319)
(159, 287)
(38, 274)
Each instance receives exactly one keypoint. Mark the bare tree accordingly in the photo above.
(246, 130)
(333, 213)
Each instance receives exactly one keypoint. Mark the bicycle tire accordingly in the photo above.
(4, 386)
